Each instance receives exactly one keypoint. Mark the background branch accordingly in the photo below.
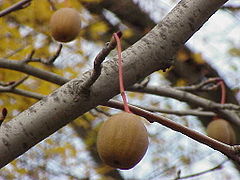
(48, 61)
(36, 72)
(19, 5)
(219, 166)
(179, 112)
(231, 151)
(191, 99)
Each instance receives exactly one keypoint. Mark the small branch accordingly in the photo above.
(3, 115)
(13, 84)
(49, 61)
(219, 166)
(102, 112)
(190, 98)
(14, 52)
(180, 112)
(17, 83)
(52, 5)
(19, 5)
(11, 88)
(36, 72)
(233, 152)
(231, 8)
(208, 85)
(98, 61)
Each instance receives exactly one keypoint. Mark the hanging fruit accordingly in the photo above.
(122, 140)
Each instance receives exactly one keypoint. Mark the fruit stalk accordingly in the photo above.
(120, 73)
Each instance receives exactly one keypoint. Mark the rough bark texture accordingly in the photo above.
(151, 53)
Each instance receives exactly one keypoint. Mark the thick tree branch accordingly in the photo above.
(153, 52)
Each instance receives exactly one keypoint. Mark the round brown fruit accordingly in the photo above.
(221, 130)
(122, 140)
(65, 24)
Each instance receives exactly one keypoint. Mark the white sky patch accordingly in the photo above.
(214, 40)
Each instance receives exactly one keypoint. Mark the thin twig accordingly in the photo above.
(13, 84)
(52, 5)
(207, 85)
(233, 152)
(36, 72)
(231, 8)
(19, 5)
(48, 61)
(180, 112)
(103, 112)
(14, 52)
(98, 61)
(17, 83)
(3, 115)
(11, 88)
(220, 109)
(219, 166)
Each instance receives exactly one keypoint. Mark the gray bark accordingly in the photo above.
(153, 52)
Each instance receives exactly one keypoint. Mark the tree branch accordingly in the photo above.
(98, 61)
(206, 85)
(19, 5)
(180, 112)
(219, 166)
(191, 99)
(25, 68)
(233, 152)
(153, 52)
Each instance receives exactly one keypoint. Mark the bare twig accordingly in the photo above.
(19, 5)
(233, 152)
(98, 61)
(207, 85)
(231, 8)
(103, 112)
(22, 93)
(14, 52)
(11, 88)
(49, 61)
(17, 83)
(13, 84)
(192, 99)
(52, 5)
(36, 72)
(219, 166)
(3, 115)
(180, 112)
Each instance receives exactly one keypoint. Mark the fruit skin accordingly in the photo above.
(122, 140)
(221, 130)
(65, 24)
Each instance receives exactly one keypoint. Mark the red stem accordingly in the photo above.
(120, 73)
(223, 92)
